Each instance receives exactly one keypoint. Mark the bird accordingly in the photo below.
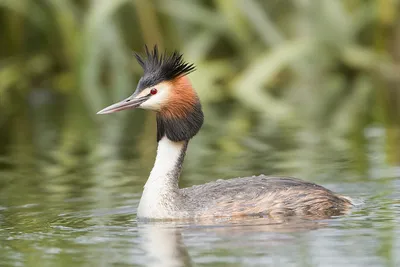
(166, 89)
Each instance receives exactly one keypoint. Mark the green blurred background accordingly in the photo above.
(324, 71)
(307, 88)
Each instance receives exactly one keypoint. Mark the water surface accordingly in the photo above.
(55, 213)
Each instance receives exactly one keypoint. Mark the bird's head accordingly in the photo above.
(164, 88)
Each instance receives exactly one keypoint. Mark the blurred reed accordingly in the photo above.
(325, 69)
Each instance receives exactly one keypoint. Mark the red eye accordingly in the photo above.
(153, 91)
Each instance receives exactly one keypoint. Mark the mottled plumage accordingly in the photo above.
(263, 195)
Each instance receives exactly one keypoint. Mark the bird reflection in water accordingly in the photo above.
(163, 241)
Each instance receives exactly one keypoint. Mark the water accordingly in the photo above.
(58, 213)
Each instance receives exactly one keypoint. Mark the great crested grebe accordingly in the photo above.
(165, 89)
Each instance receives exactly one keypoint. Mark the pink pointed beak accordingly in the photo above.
(128, 103)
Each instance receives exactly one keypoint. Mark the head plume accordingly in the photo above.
(161, 67)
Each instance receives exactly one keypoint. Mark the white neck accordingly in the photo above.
(162, 188)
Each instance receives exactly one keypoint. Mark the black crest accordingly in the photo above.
(161, 67)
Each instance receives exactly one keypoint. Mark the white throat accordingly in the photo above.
(161, 189)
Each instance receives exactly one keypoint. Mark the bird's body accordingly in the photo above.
(165, 89)
(256, 195)
(262, 196)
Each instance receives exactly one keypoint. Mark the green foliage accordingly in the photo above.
(325, 69)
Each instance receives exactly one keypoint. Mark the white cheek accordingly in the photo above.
(156, 101)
